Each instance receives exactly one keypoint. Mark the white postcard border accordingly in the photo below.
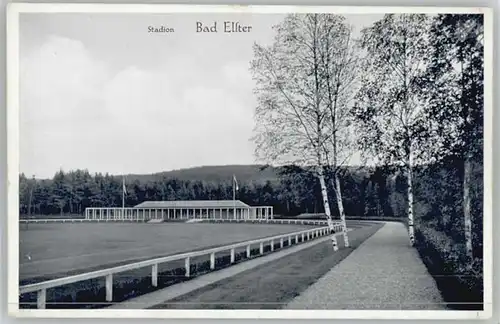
(13, 11)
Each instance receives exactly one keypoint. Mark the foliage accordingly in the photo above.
(388, 108)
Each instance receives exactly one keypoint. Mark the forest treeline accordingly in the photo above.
(290, 190)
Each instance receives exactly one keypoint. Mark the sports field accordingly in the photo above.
(50, 251)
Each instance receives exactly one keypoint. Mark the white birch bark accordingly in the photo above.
(338, 194)
(411, 230)
(328, 213)
(467, 208)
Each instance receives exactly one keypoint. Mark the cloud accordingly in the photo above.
(78, 113)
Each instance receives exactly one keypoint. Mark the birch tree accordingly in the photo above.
(389, 108)
(340, 62)
(293, 124)
(454, 87)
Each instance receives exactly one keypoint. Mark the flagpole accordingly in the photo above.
(234, 196)
(123, 197)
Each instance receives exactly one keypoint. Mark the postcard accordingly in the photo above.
(190, 161)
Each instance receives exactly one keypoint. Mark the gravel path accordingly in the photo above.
(383, 273)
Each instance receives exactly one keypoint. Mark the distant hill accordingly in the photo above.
(243, 173)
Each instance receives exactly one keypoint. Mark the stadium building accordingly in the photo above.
(179, 210)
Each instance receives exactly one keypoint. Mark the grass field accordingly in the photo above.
(50, 251)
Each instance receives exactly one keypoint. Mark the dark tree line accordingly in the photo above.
(367, 192)
(293, 192)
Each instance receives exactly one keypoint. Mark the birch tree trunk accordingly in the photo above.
(467, 208)
(467, 165)
(328, 213)
(338, 195)
(411, 230)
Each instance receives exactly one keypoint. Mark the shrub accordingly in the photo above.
(460, 282)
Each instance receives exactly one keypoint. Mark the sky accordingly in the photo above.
(98, 92)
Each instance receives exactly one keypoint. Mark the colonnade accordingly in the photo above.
(145, 214)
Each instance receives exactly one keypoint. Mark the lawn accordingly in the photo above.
(48, 251)
(90, 246)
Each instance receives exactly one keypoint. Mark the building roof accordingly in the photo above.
(193, 204)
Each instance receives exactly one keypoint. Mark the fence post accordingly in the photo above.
(248, 251)
(261, 248)
(187, 265)
(212, 260)
(154, 275)
(109, 287)
(297, 239)
(272, 245)
(289, 240)
(41, 298)
(302, 237)
(232, 255)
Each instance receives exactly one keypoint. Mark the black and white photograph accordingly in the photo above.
(217, 161)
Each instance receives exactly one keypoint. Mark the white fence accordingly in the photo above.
(53, 220)
(305, 235)
(270, 221)
(254, 221)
